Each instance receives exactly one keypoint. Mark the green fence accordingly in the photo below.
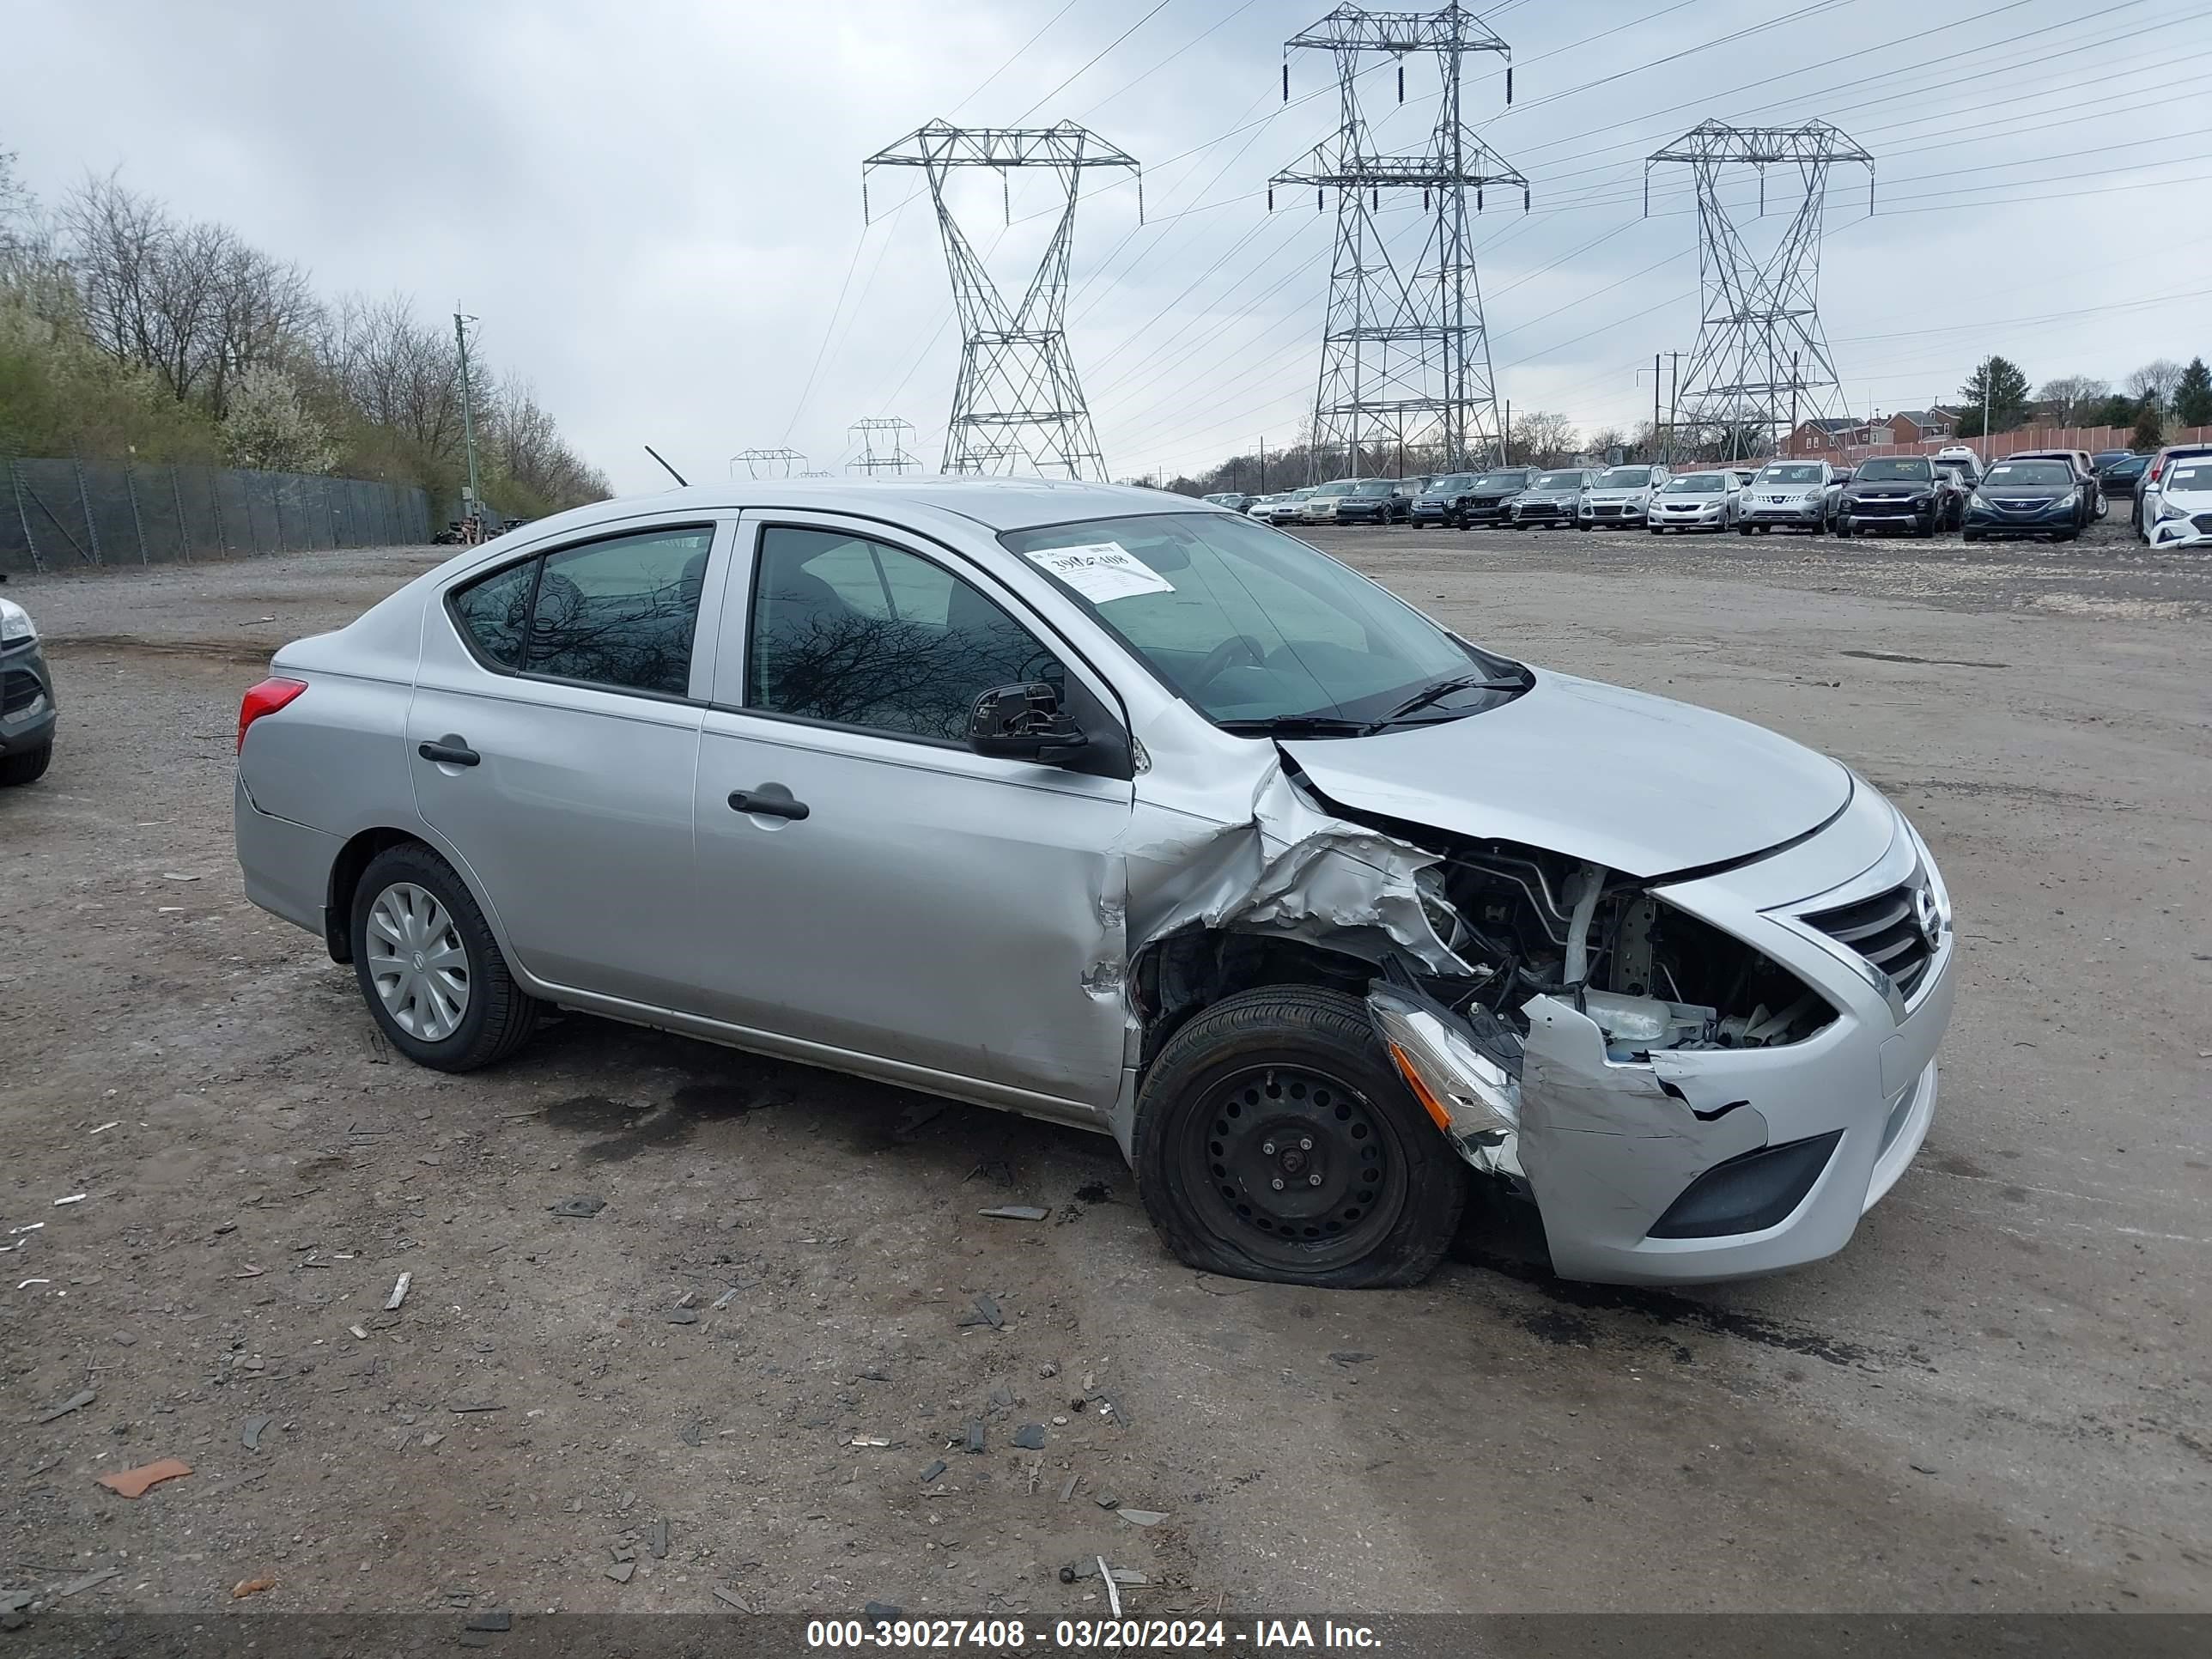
(65, 515)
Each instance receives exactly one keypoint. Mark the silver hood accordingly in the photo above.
(1636, 783)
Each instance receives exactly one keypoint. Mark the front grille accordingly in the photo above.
(20, 691)
(1886, 931)
(2203, 522)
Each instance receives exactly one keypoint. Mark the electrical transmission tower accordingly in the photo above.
(883, 446)
(766, 463)
(1017, 405)
(1405, 357)
(1762, 362)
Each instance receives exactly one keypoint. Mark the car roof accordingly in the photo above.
(995, 503)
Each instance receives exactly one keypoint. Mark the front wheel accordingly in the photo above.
(25, 765)
(1275, 1140)
(429, 967)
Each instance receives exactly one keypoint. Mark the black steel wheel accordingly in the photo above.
(1275, 1140)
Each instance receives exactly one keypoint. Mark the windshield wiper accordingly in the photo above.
(1437, 693)
(1309, 725)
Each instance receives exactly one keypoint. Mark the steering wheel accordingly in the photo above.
(1218, 660)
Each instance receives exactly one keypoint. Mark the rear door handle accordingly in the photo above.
(449, 754)
(772, 806)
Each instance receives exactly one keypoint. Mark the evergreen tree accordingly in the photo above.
(2192, 395)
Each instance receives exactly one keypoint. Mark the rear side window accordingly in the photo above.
(495, 612)
(861, 633)
(620, 613)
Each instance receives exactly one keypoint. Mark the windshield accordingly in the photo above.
(1896, 470)
(1791, 475)
(1696, 483)
(1558, 481)
(1452, 484)
(1380, 487)
(1224, 501)
(1624, 477)
(2039, 474)
(1499, 481)
(1341, 487)
(2186, 476)
(1250, 624)
(1300, 495)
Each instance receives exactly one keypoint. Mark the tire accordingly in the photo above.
(1743, 530)
(1971, 535)
(1296, 1062)
(495, 1015)
(26, 766)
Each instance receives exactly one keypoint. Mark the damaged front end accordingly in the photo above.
(1666, 1095)
(1678, 1103)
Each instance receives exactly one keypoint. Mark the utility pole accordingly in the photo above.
(1674, 398)
(882, 444)
(1405, 354)
(1017, 400)
(1263, 463)
(1505, 436)
(1756, 308)
(1656, 442)
(468, 413)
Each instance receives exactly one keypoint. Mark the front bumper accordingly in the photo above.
(1539, 512)
(2193, 531)
(1887, 514)
(1483, 509)
(1701, 518)
(2054, 520)
(1611, 514)
(1809, 514)
(28, 710)
(1617, 1153)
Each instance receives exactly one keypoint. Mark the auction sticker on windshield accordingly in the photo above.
(1103, 571)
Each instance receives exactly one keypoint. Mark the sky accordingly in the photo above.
(654, 209)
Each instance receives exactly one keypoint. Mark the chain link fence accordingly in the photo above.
(63, 515)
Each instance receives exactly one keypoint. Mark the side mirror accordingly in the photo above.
(1024, 722)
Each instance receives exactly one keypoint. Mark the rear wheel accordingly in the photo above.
(429, 967)
(1275, 1140)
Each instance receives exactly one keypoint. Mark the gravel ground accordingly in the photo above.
(1995, 1400)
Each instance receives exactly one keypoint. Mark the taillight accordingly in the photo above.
(265, 698)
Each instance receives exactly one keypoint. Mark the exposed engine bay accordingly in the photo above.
(1531, 923)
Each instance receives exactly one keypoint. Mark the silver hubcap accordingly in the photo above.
(417, 962)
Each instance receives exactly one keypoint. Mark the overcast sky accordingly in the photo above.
(655, 208)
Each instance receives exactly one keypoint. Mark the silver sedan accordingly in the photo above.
(1146, 818)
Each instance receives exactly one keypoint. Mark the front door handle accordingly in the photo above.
(449, 754)
(772, 806)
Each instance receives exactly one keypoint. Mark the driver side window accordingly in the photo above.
(859, 633)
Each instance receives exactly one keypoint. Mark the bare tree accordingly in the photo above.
(2072, 397)
(397, 372)
(1540, 438)
(193, 302)
(2154, 381)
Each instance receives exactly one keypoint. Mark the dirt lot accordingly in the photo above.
(1995, 1399)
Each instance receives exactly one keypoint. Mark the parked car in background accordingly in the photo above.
(1289, 508)
(1838, 478)
(1961, 480)
(1968, 462)
(1786, 495)
(1694, 500)
(1619, 496)
(2084, 465)
(2145, 512)
(1439, 502)
(1319, 507)
(1234, 500)
(1550, 499)
(1483, 503)
(2117, 477)
(1376, 501)
(2033, 497)
(2184, 515)
(1905, 492)
(28, 713)
(1743, 476)
(617, 764)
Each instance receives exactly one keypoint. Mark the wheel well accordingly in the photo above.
(1179, 976)
(345, 875)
